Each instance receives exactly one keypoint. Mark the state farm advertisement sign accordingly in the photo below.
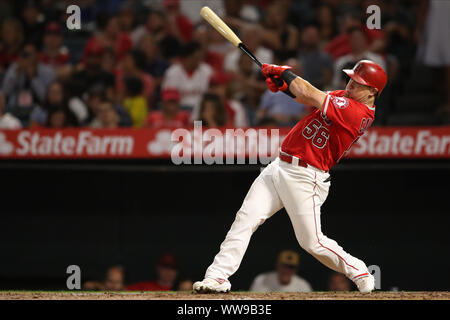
(379, 142)
(405, 142)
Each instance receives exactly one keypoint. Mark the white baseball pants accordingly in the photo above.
(301, 191)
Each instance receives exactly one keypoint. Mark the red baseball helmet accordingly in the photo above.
(368, 73)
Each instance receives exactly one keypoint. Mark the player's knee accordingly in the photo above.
(312, 247)
(245, 219)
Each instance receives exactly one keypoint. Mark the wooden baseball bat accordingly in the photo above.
(226, 32)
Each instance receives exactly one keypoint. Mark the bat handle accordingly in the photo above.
(242, 46)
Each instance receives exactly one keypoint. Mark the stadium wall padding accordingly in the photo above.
(397, 219)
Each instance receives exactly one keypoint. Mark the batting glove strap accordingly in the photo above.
(288, 76)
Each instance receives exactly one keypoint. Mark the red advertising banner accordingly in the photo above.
(378, 142)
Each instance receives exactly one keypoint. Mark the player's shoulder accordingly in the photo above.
(341, 102)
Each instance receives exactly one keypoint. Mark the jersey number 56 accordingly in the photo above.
(317, 133)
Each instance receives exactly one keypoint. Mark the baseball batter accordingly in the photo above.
(298, 179)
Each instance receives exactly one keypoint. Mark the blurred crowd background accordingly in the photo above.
(156, 63)
(170, 276)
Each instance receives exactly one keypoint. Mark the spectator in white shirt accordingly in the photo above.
(284, 279)
(190, 76)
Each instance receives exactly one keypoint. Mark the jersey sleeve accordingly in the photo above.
(342, 111)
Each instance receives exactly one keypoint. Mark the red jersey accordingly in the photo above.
(322, 138)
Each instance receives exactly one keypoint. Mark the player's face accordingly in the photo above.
(357, 91)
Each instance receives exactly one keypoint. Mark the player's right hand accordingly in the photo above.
(273, 73)
(274, 87)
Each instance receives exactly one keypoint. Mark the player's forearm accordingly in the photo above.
(303, 91)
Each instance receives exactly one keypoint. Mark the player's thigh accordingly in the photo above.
(262, 199)
(302, 194)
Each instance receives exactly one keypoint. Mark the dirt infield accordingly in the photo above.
(401, 295)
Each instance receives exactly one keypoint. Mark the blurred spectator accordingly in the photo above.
(215, 46)
(7, 120)
(236, 115)
(127, 17)
(359, 51)
(278, 106)
(132, 66)
(108, 61)
(190, 76)
(315, 32)
(326, 19)
(53, 53)
(339, 282)
(317, 66)
(60, 118)
(11, 42)
(398, 28)
(341, 44)
(106, 117)
(185, 285)
(25, 83)
(157, 26)
(167, 272)
(91, 73)
(114, 281)
(433, 50)
(135, 103)
(110, 36)
(55, 100)
(241, 12)
(170, 115)
(284, 279)
(94, 98)
(212, 112)
(155, 64)
(248, 86)
(179, 25)
(278, 35)
(33, 22)
(191, 9)
(251, 35)
(5, 10)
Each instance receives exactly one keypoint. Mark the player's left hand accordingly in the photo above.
(273, 70)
